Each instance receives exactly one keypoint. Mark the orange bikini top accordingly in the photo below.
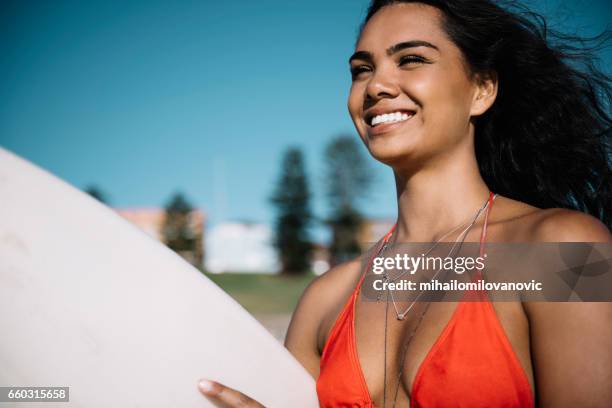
(471, 364)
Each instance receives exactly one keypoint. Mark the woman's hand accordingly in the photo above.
(226, 397)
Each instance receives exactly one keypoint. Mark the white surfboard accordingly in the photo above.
(90, 302)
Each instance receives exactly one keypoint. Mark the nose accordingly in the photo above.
(382, 85)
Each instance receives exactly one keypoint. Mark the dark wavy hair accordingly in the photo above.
(546, 139)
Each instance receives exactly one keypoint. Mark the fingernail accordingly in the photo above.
(206, 386)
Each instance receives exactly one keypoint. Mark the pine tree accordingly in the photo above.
(96, 193)
(176, 231)
(292, 201)
(347, 177)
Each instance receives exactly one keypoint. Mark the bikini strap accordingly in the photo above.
(388, 235)
(382, 243)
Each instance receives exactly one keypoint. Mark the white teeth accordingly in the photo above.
(390, 118)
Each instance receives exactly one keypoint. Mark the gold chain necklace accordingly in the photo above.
(401, 316)
(462, 235)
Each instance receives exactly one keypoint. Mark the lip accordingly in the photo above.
(381, 110)
(387, 127)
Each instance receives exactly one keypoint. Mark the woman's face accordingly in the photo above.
(412, 95)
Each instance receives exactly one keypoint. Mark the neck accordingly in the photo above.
(437, 198)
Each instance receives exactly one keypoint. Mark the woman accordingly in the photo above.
(461, 99)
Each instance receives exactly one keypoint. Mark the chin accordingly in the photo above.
(393, 153)
(394, 150)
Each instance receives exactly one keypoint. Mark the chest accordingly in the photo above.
(442, 341)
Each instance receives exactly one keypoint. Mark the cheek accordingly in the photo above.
(444, 97)
(355, 105)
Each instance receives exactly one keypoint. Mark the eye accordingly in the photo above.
(358, 70)
(412, 59)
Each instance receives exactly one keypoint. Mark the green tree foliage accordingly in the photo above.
(292, 201)
(96, 193)
(348, 177)
(176, 231)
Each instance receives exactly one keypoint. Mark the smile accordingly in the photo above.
(379, 122)
(392, 117)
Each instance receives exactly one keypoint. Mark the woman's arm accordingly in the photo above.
(316, 307)
(571, 342)
(571, 347)
(302, 334)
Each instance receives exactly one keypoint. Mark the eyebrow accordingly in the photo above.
(367, 56)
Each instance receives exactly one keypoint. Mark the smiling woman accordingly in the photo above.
(494, 133)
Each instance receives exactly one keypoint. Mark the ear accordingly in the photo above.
(486, 92)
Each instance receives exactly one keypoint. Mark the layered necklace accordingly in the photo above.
(401, 315)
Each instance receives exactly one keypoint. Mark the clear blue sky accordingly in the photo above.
(144, 98)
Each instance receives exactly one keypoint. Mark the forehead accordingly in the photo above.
(402, 22)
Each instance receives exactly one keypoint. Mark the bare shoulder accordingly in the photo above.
(318, 302)
(562, 225)
(523, 222)
(326, 288)
(571, 334)
(562, 334)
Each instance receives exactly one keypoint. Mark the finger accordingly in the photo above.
(227, 396)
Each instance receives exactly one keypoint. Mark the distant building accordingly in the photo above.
(254, 241)
(151, 221)
(372, 230)
(241, 247)
(320, 259)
